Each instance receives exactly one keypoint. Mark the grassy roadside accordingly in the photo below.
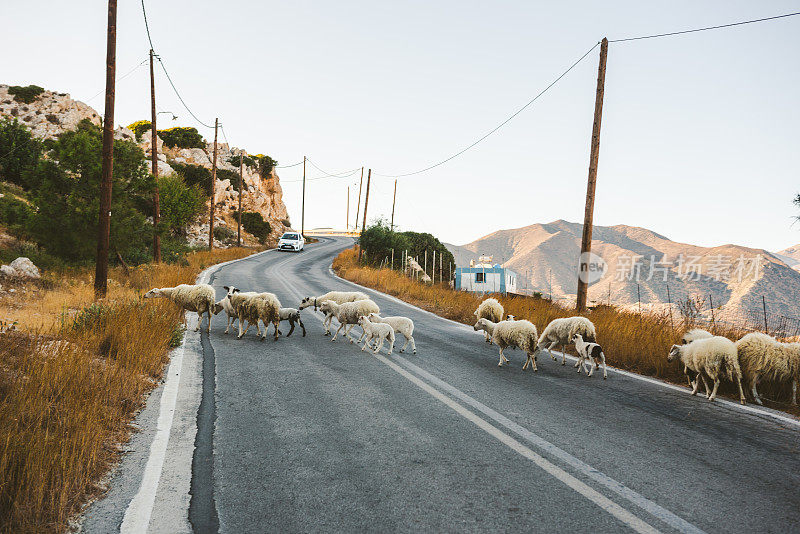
(637, 343)
(71, 379)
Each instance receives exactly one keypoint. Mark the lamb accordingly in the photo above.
(252, 307)
(688, 337)
(293, 316)
(348, 313)
(403, 325)
(561, 331)
(339, 297)
(378, 332)
(761, 355)
(196, 298)
(486, 325)
(490, 309)
(520, 334)
(225, 304)
(592, 351)
(711, 357)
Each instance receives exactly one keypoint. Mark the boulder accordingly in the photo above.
(21, 268)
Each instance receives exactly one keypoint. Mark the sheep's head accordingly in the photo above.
(374, 317)
(153, 294)
(674, 353)
(325, 307)
(308, 301)
(480, 325)
(510, 317)
(230, 289)
(576, 337)
(362, 319)
(216, 308)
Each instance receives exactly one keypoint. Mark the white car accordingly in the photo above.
(293, 241)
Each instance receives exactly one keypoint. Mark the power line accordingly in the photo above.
(333, 174)
(702, 29)
(287, 166)
(134, 69)
(493, 130)
(147, 27)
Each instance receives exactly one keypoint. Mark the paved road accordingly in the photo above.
(304, 435)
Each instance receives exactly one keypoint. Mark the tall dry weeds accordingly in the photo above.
(71, 380)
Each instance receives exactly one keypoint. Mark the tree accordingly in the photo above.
(180, 203)
(19, 151)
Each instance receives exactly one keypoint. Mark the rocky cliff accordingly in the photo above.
(50, 114)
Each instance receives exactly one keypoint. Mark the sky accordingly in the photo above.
(700, 139)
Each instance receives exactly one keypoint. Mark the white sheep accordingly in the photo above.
(225, 304)
(519, 334)
(490, 309)
(761, 355)
(196, 298)
(711, 357)
(292, 315)
(348, 313)
(252, 307)
(560, 332)
(402, 325)
(592, 351)
(378, 332)
(688, 337)
(339, 297)
(486, 325)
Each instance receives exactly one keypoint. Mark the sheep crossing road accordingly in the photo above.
(305, 434)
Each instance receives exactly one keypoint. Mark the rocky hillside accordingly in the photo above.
(50, 114)
(731, 276)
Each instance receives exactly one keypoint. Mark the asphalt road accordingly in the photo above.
(307, 435)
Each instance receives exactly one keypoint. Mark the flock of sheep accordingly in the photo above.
(704, 356)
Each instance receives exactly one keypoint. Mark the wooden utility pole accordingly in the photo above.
(213, 189)
(358, 206)
(154, 157)
(303, 211)
(586, 239)
(394, 198)
(366, 203)
(347, 225)
(239, 213)
(104, 218)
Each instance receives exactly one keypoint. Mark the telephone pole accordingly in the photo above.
(586, 239)
(303, 210)
(154, 156)
(394, 198)
(366, 203)
(239, 213)
(104, 218)
(358, 206)
(213, 189)
(347, 225)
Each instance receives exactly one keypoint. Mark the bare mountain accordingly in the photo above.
(790, 256)
(730, 276)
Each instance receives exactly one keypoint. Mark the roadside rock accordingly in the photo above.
(21, 268)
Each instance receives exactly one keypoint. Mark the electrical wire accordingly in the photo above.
(287, 166)
(654, 36)
(493, 130)
(333, 174)
(134, 69)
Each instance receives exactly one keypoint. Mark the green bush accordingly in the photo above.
(139, 128)
(19, 151)
(225, 174)
(378, 240)
(182, 137)
(26, 94)
(248, 161)
(224, 234)
(194, 175)
(180, 203)
(254, 223)
(265, 164)
(14, 214)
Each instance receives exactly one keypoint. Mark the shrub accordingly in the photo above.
(139, 128)
(182, 137)
(265, 164)
(225, 174)
(26, 94)
(224, 234)
(255, 224)
(378, 241)
(19, 151)
(180, 203)
(14, 214)
(194, 175)
(248, 161)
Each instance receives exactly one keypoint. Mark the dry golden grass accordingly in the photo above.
(71, 379)
(633, 342)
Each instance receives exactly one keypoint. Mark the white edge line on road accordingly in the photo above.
(139, 511)
(765, 412)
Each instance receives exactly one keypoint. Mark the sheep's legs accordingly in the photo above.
(291, 328)
(603, 359)
(695, 385)
(347, 333)
(409, 340)
(794, 392)
(391, 345)
(230, 322)
(714, 392)
(705, 384)
(366, 343)
(241, 322)
(503, 359)
(563, 354)
(327, 324)
(755, 391)
(741, 393)
(530, 361)
(302, 326)
(549, 349)
(337, 332)
(208, 312)
(378, 346)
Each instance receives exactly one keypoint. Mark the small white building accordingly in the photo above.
(484, 277)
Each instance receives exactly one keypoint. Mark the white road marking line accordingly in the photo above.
(139, 511)
(761, 411)
(591, 494)
(620, 489)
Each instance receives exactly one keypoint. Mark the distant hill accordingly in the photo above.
(546, 256)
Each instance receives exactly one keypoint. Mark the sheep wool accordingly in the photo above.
(712, 357)
(492, 310)
(519, 334)
(348, 313)
(561, 331)
(339, 297)
(195, 298)
(402, 325)
(252, 307)
(762, 356)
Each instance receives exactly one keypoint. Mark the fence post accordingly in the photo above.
(764, 306)
(441, 278)
(393, 259)
(639, 299)
(713, 321)
(425, 267)
(669, 301)
(433, 268)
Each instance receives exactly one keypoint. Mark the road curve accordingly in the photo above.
(305, 434)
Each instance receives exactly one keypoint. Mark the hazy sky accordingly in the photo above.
(700, 140)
